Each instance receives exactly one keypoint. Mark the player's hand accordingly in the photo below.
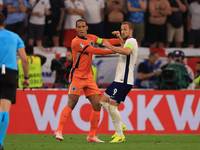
(143, 10)
(114, 52)
(26, 83)
(37, 14)
(188, 28)
(59, 27)
(106, 43)
(157, 72)
(116, 33)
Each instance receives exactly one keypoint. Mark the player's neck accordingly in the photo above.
(83, 37)
(1, 27)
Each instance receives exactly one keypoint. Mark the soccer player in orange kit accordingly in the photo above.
(81, 77)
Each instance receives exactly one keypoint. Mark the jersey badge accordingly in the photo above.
(92, 43)
(81, 45)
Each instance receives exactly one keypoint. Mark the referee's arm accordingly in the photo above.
(25, 62)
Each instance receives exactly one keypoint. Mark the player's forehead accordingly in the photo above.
(124, 26)
(81, 23)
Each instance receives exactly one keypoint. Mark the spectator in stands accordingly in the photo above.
(74, 10)
(94, 16)
(37, 11)
(179, 56)
(169, 59)
(147, 73)
(197, 77)
(35, 71)
(14, 20)
(1, 5)
(136, 11)
(115, 11)
(159, 10)
(175, 22)
(194, 24)
(54, 21)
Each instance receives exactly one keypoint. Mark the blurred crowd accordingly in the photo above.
(157, 23)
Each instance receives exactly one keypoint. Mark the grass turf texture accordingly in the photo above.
(78, 142)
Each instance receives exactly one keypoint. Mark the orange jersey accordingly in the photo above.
(82, 51)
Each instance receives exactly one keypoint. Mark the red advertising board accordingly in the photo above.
(143, 112)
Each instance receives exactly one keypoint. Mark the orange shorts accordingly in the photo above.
(88, 85)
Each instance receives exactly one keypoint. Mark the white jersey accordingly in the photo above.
(1, 2)
(93, 10)
(126, 64)
(70, 20)
(40, 7)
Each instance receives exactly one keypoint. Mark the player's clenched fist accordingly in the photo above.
(106, 43)
(116, 33)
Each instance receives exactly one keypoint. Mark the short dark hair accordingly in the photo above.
(198, 62)
(81, 20)
(153, 53)
(29, 49)
(170, 54)
(129, 24)
(2, 19)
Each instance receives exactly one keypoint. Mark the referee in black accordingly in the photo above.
(10, 44)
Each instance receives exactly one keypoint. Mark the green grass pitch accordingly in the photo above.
(78, 142)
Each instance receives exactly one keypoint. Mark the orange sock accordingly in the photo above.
(94, 121)
(63, 118)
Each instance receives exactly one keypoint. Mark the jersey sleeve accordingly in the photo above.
(48, 5)
(111, 41)
(20, 43)
(97, 51)
(79, 46)
(25, 3)
(10, 2)
(131, 43)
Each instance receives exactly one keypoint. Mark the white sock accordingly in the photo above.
(105, 106)
(115, 115)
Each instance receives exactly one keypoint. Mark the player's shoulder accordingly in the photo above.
(131, 40)
(11, 34)
(89, 36)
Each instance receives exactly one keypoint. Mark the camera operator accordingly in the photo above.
(62, 67)
(178, 56)
(147, 72)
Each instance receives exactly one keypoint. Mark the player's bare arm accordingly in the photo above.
(120, 50)
(117, 34)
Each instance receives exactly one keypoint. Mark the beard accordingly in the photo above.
(198, 71)
(125, 38)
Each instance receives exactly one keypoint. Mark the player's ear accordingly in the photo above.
(87, 27)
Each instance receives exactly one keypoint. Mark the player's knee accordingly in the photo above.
(96, 107)
(71, 104)
(104, 104)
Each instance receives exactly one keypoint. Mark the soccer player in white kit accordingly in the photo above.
(124, 78)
